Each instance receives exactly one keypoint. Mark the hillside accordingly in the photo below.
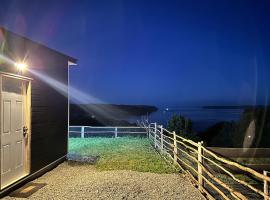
(106, 114)
(252, 130)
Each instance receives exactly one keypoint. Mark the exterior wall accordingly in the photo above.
(49, 120)
(49, 132)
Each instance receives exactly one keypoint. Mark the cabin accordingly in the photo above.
(34, 115)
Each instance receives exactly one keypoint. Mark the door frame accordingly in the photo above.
(27, 119)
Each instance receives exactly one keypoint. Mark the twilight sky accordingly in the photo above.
(193, 52)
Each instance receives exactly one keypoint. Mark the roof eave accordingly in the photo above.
(70, 59)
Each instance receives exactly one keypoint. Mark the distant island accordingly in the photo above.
(107, 114)
(243, 107)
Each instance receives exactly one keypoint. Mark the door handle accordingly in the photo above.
(25, 131)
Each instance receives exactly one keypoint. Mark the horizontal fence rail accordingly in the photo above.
(208, 170)
(105, 131)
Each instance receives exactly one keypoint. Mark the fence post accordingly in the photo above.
(115, 132)
(174, 148)
(82, 132)
(148, 131)
(200, 170)
(161, 138)
(155, 139)
(265, 185)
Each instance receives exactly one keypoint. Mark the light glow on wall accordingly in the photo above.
(21, 66)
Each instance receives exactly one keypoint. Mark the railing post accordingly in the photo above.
(200, 162)
(115, 132)
(82, 132)
(265, 185)
(161, 138)
(174, 148)
(155, 138)
(149, 131)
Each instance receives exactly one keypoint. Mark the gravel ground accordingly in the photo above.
(85, 182)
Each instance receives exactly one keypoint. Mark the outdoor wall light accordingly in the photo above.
(21, 66)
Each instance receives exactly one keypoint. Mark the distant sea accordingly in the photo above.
(201, 117)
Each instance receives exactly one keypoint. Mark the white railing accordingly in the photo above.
(204, 166)
(88, 131)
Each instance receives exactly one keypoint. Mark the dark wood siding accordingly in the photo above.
(49, 120)
(49, 106)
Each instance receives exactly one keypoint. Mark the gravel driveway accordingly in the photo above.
(85, 182)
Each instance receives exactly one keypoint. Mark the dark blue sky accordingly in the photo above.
(156, 52)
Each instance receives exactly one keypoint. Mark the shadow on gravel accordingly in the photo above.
(76, 159)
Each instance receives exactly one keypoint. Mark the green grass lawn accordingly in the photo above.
(126, 153)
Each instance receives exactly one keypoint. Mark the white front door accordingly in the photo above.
(12, 133)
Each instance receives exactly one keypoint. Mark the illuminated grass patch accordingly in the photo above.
(126, 153)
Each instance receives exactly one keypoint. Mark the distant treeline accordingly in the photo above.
(106, 114)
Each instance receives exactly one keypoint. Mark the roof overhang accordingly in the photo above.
(72, 63)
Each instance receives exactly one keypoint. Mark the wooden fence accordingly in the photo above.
(207, 169)
(255, 158)
(242, 152)
(100, 131)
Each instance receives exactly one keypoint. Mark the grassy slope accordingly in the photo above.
(127, 153)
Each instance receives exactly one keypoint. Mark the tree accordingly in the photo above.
(182, 126)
